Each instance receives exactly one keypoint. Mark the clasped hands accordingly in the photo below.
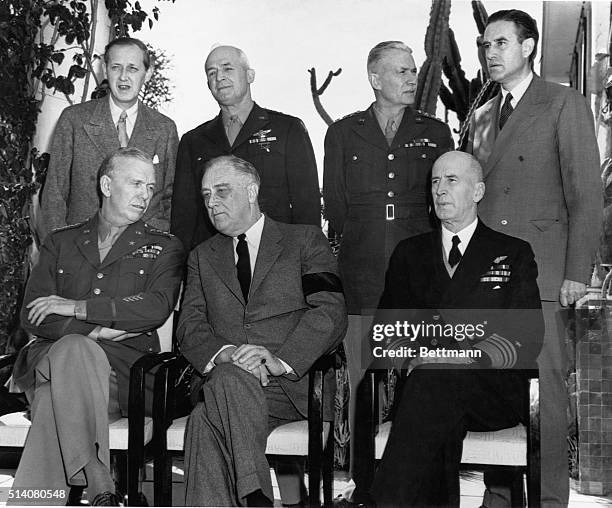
(256, 360)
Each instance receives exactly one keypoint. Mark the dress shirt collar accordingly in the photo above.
(518, 91)
(132, 113)
(465, 235)
(242, 113)
(384, 119)
(253, 239)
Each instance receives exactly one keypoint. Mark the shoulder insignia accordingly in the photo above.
(159, 232)
(70, 226)
(427, 115)
(350, 115)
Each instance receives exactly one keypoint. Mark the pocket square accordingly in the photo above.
(155, 159)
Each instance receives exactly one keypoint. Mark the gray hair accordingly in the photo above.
(473, 164)
(376, 53)
(239, 165)
(110, 163)
(241, 54)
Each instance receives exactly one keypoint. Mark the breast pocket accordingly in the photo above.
(133, 274)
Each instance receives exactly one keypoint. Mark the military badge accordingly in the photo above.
(497, 272)
(262, 139)
(420, 143)
(150, 251)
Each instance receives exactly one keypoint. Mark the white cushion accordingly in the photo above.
(288, 439)
(506, 447)
(14, 428)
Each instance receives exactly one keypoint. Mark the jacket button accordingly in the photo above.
(97, 291)
(141, 271)
(434, 342)
(61, 270)
(423, 156)
(390, 156)
(354, 157)
(390, 193)
(99, 275)
(507, 190)
(504, 222)
(247, 325)
(391, 175)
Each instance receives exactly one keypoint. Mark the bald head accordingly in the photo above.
(456, 187)
(229, 76)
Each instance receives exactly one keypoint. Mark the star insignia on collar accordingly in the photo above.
(85, 242)
(132, 243)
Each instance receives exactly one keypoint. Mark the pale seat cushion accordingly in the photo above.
(14, 429)
(288, 439)
(506, 447)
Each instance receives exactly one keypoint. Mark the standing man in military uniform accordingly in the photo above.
(92, 303)
(375, 183)
(276, 144)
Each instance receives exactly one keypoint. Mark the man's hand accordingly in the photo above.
(225, 356)
(45, 305)
(252, 358)
(571, 291)
(115, 335)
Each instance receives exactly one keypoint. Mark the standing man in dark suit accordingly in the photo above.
(263, 302)
(462, 274)
(92, 303)
(276, 144)
(87, 133)
(375, 184)
(537, 146)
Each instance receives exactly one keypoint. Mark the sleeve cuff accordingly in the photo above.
(80, 310)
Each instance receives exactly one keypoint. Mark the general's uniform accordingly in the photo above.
(85, 134)
(279, 148)
(134, 289)
(376, 195)
(496, 282)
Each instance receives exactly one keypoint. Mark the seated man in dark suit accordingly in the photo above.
(263, 302)
(92, 303)
(462, 274)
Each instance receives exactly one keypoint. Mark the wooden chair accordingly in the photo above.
(310, 438)
(516, 449)
(131, 439)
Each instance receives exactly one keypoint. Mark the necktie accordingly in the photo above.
(506, 111)
(243, 266)
(122, 130)
(454, 256)
(233, 128)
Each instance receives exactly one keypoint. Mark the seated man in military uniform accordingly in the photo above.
(92, 303)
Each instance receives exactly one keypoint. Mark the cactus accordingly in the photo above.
(317, 92)
(436, 42)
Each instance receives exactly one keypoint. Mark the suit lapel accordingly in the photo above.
(269, 250)
(101, 129)
(475, 261)
(87, 241)
(531, 105)
(216, 133)
(411, 126)
(366, 127)
(145, 130)
(221, 251)
(258, 119)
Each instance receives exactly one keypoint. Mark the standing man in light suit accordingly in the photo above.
(87, 133)
(537, 146)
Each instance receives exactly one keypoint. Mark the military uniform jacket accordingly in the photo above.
(84, 136)
(375, 194)
(494, 283)
(279, 148)
(542, 176)
(135, 289)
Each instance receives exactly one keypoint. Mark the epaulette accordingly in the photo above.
(356, 113)
(427, 115)
(70, 226)
(159, 232)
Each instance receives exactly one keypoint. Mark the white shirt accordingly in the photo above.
(130, 121)
(517, 92)
(465, 235)
(253, 239)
